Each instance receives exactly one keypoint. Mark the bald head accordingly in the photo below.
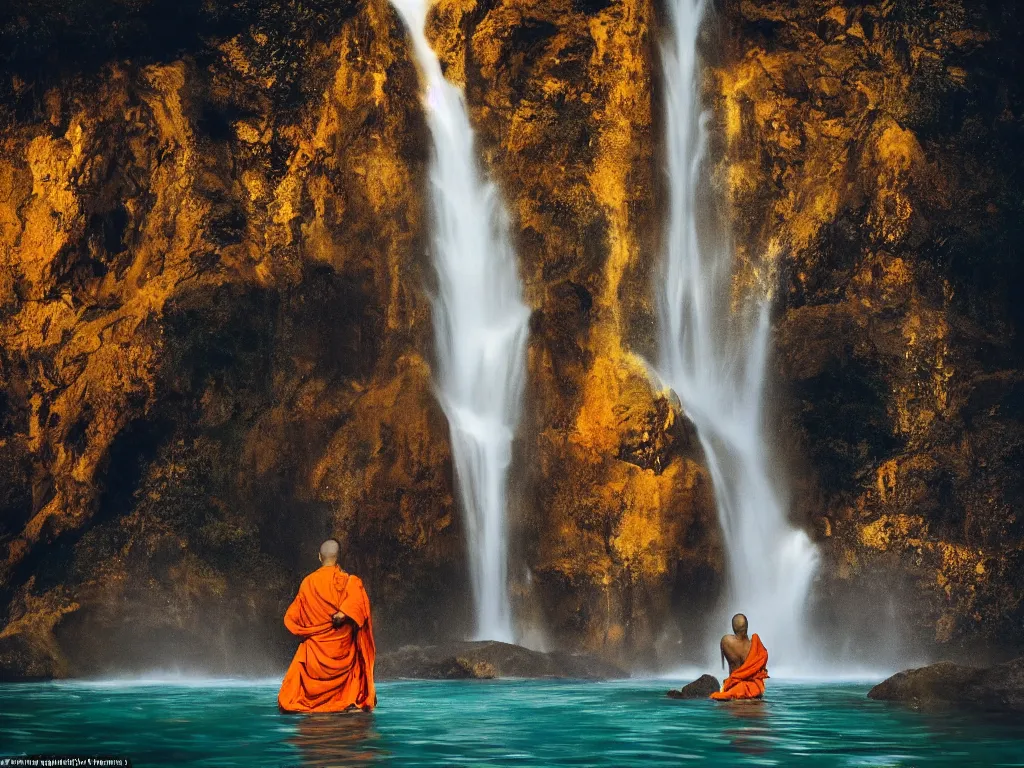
(739, 624)
(329, 552)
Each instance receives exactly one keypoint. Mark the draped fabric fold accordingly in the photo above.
(747, 680)
(333, 667)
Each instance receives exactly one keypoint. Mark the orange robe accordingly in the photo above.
(333, 668)
(747, 680)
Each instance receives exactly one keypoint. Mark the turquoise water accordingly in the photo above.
(494, 723)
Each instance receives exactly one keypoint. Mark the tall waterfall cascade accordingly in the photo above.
(713, 349)
(480, 328)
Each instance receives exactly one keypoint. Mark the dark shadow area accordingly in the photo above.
(44, 42)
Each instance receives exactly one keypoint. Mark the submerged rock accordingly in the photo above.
(489, 659)
(700, 688)
(946, 684)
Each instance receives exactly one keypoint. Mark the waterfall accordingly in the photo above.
(713, 349)
(480, 329)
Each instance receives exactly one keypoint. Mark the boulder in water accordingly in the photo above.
(946, 684)
(489, 659)
(455, 668)
(700, 688)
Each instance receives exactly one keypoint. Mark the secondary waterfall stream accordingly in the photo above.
(713, 349)
(480, 328)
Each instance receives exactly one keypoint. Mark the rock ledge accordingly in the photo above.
(946, 684)
(489, 659)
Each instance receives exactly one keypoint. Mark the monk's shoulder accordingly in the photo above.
(346, 581)
(317, 579)
(354, 582)
(302, 592)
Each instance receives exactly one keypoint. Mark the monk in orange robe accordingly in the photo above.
(748, 663)
(333, 668)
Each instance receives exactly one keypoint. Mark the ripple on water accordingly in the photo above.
(225, 724)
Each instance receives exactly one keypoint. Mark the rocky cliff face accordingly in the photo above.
(215, 331)
(214, 344)
(616, 513)
(875, 155)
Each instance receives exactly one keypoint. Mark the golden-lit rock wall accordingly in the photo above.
(214, 348)
(614, 514)
(216, 339)
(874, 158)
(215, 333)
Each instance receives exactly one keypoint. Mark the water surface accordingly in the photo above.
(493, 723)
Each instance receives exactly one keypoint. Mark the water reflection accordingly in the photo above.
(753, 737)
(530, 724)
(337, 740)
(746, 709)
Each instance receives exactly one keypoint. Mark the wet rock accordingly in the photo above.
(946, 684)
(700, 688)
(489, 659)
(453, 668)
